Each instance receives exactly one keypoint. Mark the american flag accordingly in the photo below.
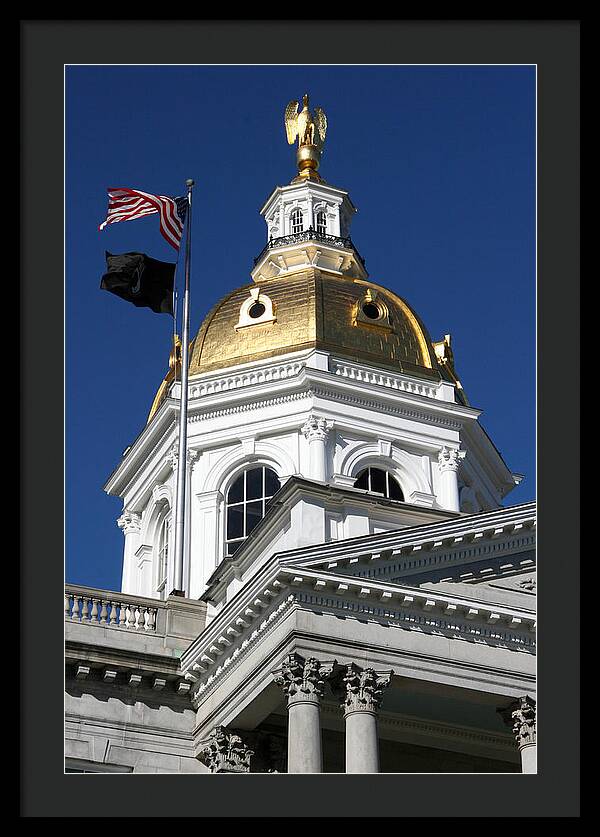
(128, 204)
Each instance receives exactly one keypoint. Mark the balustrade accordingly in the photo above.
(115, 612)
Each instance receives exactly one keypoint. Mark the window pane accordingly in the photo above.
(395, 490)
(362, 481)
(272, 483)
(254, 484)
(236, 492)
(253, 515)
(235, 522)
(232, 547)
(377, 481)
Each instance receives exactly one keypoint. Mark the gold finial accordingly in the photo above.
(310, 130)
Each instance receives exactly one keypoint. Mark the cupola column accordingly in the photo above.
(303, 683)
(129, 523)
(449, 460)
(521, 717)
(316, 431)
(361, 692)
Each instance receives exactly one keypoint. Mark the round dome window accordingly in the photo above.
(257, 309)
(372, 311)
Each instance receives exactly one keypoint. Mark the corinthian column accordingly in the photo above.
(316, 430)
(303, 682)
(129, 523)
(521, 716)
(362, 694)
(225, 752)
(449, 460)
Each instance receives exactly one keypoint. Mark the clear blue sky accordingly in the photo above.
(440, 162)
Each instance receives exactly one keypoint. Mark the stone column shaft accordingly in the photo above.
(304, 737)
(362, 745)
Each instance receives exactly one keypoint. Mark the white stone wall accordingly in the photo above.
(299, 416)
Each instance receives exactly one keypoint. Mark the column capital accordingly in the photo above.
(449, 459)
(303, 679)
(225, 752)
(172, 456)
(521, 717)
(129, 522)
(316, 427)
(361, 689)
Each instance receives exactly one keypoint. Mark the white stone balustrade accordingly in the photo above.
(384, 379)
(110, 610)
(244, 379)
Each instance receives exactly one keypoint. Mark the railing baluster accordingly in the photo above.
(94, 612)
(113, 613)
(103, 613)
(123, 616)
(84, 608)
(75, 611)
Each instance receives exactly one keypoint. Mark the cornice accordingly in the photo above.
(453, 531)
(265, 599)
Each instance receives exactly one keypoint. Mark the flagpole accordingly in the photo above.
(180, 504)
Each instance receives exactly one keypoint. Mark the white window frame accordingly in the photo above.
(296, 221)
(388, 476)
(244, 501)
(163, 551)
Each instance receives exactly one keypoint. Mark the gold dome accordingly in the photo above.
(313, 309)
(316, 310)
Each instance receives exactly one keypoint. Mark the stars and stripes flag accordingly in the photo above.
(127, 204)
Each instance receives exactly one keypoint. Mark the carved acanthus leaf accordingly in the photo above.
(225, 752)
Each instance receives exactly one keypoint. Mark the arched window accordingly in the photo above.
(377, 481)
(297, 221)
(321, 222)
(247, 500)
(164, 534)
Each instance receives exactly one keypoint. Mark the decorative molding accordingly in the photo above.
(449, 459)
(202, 662)
(388, 409)
(225, 752)
(255, 405)
(454, 620)
(316, 427)
(363, 689)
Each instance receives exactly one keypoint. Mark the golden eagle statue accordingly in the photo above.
(310, 129)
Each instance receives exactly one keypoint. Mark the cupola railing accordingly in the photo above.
(309, 235)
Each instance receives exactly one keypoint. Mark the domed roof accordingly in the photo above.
(353, 318)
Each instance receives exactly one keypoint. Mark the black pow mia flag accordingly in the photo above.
(139, 279)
